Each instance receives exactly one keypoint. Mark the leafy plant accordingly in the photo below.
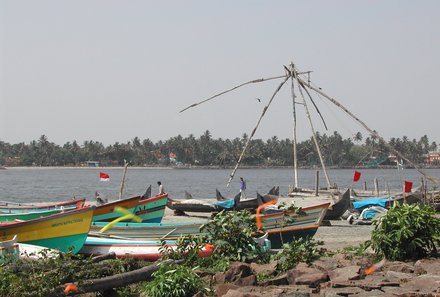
(41, 277)
(299, 250)
(406, 232)
(360, 250)
(187, 248)
(173, 281)
(232, 234)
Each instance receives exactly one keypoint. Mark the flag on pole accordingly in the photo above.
(104, 176)
(408, 186)
(356, 176)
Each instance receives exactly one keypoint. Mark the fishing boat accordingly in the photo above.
(339, 203)
(152, 210)
(24, 216)
(282, 226)
(66, 231)
(250, 203)
(13, 249)
(222, 203)
(149, 210)
(129, 248)
(14, 207)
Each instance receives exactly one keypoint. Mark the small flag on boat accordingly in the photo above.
(356, 176)
(408, 186)
(104, 176)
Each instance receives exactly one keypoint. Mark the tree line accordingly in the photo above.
(207, 151)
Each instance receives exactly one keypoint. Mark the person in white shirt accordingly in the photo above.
(161, 188)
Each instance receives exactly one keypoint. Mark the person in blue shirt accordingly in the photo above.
(242, 188)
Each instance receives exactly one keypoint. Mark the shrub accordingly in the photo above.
(173, 281)
(232, 233)
(299, 250)
(406, 232)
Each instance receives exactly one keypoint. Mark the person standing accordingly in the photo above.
(161, 188)
(242, 188)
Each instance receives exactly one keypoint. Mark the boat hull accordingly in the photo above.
(282, 227)
(127, 248)
(65, 231)
(10, 207)
(149, 210)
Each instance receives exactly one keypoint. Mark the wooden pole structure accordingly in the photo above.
(231, 89)
(376, 187)
(295, 154)
(123, 179)
(255, 129)
(314, 135)
(317, 183)
(372, 132)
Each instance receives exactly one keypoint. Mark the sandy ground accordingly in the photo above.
(337, 235)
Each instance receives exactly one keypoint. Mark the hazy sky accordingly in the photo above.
(113, 70)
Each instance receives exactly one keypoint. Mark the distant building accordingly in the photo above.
(172, 157)
(432, 158)
(92, 163)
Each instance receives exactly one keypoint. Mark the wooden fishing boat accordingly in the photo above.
(339, 203)
(151, 231)
(282, 226)
(149, 210)
(13, 249)
(191, 205)
(106, 212)
(64, 231)
(24, 216)
(204, 205)
(152, 210)
(250, 203)
(129, 248)
(14, 207)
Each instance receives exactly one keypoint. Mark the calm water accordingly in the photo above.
(57, 184)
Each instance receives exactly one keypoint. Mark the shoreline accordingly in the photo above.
(202, 167)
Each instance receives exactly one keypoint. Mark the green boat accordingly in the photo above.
(282, 227)
(25, 216)
(149, 210)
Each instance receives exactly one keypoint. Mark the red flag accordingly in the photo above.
(356, 176)
(408, 186)
(104, 176)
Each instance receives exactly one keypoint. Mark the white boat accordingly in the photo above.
(14, 249)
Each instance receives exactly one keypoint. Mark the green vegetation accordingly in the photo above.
(24, 277)
(300, 250)
(232, 233)
(206, 151)
(173, 281)
(407, 232)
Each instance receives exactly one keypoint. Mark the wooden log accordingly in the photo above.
(100, 258)
(114, 281)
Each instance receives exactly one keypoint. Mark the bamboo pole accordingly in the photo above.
(372, 132)
(255, 129)
(295, 153)
(234, 88)
(123, 179)
(314, 134)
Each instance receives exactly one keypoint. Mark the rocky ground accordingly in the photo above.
(339, 275)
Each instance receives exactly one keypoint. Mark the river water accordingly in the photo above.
(59, 184)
